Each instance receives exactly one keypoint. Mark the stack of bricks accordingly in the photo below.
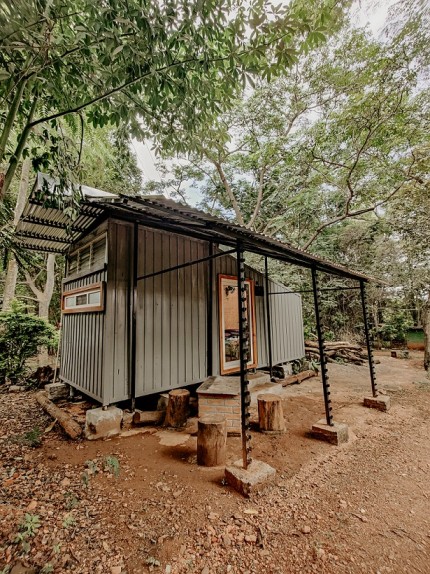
(221, 396)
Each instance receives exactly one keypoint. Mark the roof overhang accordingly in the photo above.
(51, 229)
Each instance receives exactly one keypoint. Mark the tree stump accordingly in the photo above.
(270, 415)
(177, 408)
(211, 440)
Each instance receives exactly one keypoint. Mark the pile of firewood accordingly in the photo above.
(337, 351)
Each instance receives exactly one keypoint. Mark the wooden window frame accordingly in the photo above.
(77, 251)
(93, 287)
(224, 370)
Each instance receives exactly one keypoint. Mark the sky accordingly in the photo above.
(372, 13)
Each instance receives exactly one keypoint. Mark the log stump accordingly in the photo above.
(177, 408)
(270, 415)
(212, 440)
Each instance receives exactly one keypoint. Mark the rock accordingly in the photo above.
(116, 570)
(19, 568)
(306, 529)
(251, 538)
(16, 389)
(226, 540)
(65, 482)
(103, 423)
(32, 505)
(57, 391)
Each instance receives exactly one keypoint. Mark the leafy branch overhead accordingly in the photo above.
(340, 137)
(160, 68)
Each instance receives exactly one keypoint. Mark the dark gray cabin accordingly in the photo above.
(125, 335)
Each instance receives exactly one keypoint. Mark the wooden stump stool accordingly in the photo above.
(211, 440)
(177, 408)
(270, 415)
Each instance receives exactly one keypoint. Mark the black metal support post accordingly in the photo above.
(368, 339)
(323, 357)
(209, 336)
(244, 345)
(133, 304)
(268, 316)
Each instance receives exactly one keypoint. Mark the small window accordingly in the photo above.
(84, 300)
(88, 257)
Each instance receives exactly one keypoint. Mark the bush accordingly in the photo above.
(21, 334)
(395, 327)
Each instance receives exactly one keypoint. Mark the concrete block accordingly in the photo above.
(255, 478)
(57, 391)
(381, 402)
(336, 434)
(16, 389)
(103, 423)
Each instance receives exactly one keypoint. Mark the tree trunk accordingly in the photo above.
(70, 426)
(212, 440)
(425, 318)
(270, 415)
(44, 299)
(12, 266)
(177, 408)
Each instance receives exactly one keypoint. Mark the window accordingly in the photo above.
(84, 300)
(229, 324)
(88, 257)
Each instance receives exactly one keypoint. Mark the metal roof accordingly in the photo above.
(50, 229)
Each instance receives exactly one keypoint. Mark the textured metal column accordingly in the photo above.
(269, 319)
(244, 343)
(323, 357)
(368, 339)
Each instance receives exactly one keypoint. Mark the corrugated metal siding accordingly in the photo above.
(82, 344)
(171, 313)
(287, 325)
(116, 380)
(171, 319)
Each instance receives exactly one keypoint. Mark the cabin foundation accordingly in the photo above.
(336, 433)
(248, 481)
(103, 423)
(381, 403)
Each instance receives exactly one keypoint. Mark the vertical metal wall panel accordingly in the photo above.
(171, 313)
(116, 379)
(82, 344)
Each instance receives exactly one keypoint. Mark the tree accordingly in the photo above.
(334, 140)
(174, 64)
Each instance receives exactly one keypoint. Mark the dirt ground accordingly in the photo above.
(141, 504)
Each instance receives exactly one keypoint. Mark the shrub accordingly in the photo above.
(21, 334)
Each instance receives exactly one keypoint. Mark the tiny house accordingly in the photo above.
(186, 327)
(148, 306)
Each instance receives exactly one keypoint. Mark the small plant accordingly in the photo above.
(28, 528)
(69, 521)
(92, 467)
(71, 501)
(56, 549)
(85, 479)
(33, 437)
(21, 334)
(112, 464)
(47, 569)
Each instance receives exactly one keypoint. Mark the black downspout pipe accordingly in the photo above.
(323, 357)
(243, 354)
(209, 336)
(268, 317)
(368, 340)
(133, 319)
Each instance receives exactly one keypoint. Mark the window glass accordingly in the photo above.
(94, 298)
(229, 324)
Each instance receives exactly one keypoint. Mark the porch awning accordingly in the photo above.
(50, 229)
